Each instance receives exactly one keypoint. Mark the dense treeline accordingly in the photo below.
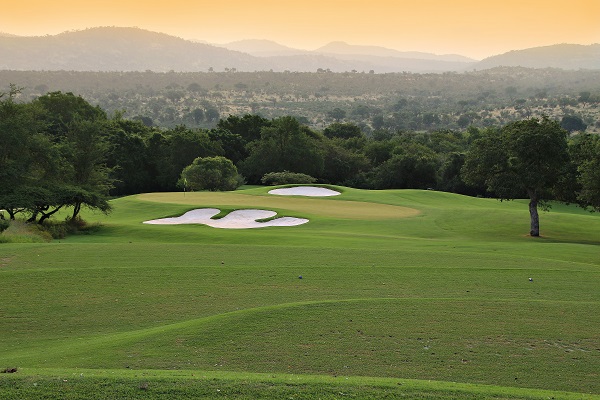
(58, 151)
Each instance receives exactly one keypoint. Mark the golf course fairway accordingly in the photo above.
(381, 294)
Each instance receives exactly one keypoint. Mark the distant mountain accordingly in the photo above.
(343, 48)
(117, 49)
(4, 34)
(133, 49)
(564, 56)
(263, 48)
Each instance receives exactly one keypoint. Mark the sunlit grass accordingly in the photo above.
(438, 291)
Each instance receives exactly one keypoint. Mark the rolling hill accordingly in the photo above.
(134, 49)
(564, 56)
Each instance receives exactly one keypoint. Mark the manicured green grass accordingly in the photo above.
(397, 284)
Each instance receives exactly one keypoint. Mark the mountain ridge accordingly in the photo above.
(563, 55)
(135, 49)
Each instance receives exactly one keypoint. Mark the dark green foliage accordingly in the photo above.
(63, 108)
(286, 177)
(248, 126)
(53, 156)
(415, 168)
(233, 145)
(130, 156)
(210, 173)
(343, 131)
(284, 145)
(527, 158)
(342, 164)
(4, 224)
(451, 180)
(585, 152)
(572, 123)
(183, 146)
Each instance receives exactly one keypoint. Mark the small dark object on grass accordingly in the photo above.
(530, 279)
(9, 370)
(144, 386)
(300, 277)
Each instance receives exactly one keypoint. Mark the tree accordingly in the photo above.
(586, 158)
(247, 126)
(25, 152)
(285, 145)
(572, 123)
(89, 175)
(63, 108)
(181, 147)
(525, 158)
(343, 131)
(210, 173)
(414, 168)
(342, 164)
(337, 114)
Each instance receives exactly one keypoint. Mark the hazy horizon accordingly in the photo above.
(476, 29)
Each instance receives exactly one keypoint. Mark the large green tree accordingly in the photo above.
(52, 156)
(527, 158)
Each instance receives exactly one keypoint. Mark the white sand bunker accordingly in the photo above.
(240, 219)
(311, 191)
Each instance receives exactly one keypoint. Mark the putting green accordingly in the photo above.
(348, 209)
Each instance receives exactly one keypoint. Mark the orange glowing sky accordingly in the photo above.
(475, 28)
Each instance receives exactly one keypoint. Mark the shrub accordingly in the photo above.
(210, 173)
(286, 177)
(4, 224)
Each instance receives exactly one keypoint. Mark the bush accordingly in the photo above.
(210, 173)
(76, 226)
(286, 177)
(4, 224)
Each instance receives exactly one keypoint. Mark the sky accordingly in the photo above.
(473, 28)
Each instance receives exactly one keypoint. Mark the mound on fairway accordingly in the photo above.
(240, 219)
(311, 191)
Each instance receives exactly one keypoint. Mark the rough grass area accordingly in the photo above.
(21, 232)
(397, 286)
(188, 384)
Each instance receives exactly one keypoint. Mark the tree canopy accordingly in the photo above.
(210, 173)
(52, 156)
(526, 158)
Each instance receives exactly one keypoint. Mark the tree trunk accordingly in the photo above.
(535, 218)
(33, 217)
(76, 209)
(45, 216)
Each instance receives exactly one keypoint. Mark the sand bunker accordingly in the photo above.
(240, 219)
(311, 191)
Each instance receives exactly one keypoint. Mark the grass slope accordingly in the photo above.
(398, 284)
